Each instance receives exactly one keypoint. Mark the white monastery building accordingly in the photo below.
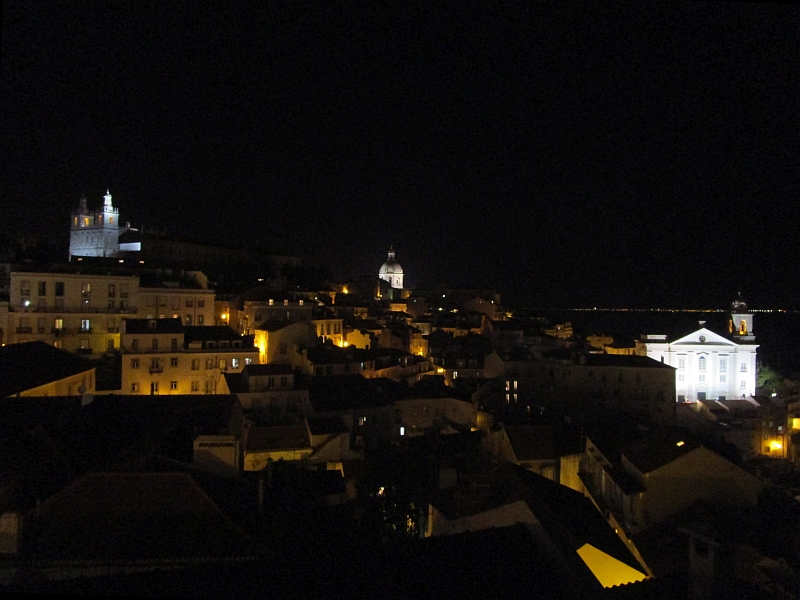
(391, 271)
(94, 232)
(709, 365)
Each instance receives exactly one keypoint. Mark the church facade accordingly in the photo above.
(709, 365)
(94, 232)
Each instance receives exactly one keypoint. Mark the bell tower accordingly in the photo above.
(94, 233)
(740, 324)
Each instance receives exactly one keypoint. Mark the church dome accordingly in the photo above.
(391, 271)
(391, 266)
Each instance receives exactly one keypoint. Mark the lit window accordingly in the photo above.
(173, 385)
(85, 325)
(195, 386)
(195, 364)
(58, 324)
(248, 361)
(235, 363)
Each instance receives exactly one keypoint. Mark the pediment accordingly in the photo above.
(709, 338)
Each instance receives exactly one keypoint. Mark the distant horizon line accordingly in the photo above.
(670, 310)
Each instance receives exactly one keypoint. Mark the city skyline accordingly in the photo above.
(610, 156)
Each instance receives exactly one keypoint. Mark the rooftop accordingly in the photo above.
(32, 364)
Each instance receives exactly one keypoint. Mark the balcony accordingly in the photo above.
(156, 369)
(73, 310)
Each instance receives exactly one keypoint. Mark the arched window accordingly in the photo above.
(701, 363)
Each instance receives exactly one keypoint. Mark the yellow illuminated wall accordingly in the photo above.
(608, 570)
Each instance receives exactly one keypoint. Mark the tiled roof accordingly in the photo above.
(622, 360)
(344, 392)
(283, 437)
(532, 443)
(32, 364)
(133, 516)
(326, 425)
(661, 448)
(570, 515)
(271, 369)
(275, 324)
(210, 332)
(142, 326)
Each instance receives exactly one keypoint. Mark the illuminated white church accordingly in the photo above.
(95, 232)
(708, 365)
(391, 271)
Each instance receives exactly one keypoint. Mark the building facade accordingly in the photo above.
(161, 356)
(94, 232)
(74, 311)
(391, 271)
(709, 365)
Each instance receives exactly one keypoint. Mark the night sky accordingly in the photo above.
(566, 154)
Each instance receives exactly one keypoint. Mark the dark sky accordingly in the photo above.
(576, 155)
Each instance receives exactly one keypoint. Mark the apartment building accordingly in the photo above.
(79, 312)
(163, 356)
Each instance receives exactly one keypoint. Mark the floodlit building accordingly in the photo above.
(94, 232)
(709, 365)
(162, 356)
(391, 271)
